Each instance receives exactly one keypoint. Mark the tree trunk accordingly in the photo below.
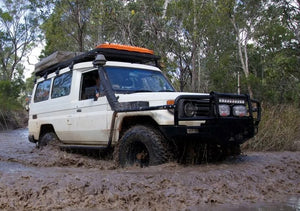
(243, 57)
(195, 79)
(165, 8)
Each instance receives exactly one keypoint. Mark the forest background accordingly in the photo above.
(205, 45)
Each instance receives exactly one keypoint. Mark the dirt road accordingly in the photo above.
(49, 179)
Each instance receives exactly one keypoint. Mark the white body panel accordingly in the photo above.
(88, 122)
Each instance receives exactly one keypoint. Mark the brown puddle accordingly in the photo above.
(51, 179)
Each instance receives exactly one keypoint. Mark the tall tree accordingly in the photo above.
(244, 16)
(291, 12)
(18, 33)
(279, 48)
(66, 28)
(203, 43)
(185, 37)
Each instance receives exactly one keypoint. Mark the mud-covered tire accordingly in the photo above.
(142, 145)
(49, 138)
(232, 150)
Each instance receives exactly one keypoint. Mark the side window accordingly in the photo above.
(90, 85)
(42, 91)
(62, 85)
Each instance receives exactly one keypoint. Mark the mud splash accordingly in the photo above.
(51, 179)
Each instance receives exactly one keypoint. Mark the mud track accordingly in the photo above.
(50, 179)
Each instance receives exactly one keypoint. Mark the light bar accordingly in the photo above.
(231, 101)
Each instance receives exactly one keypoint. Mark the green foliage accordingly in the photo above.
(282, 78)
(18, 32)
(9, 92)
(29, 84)
(197, 40)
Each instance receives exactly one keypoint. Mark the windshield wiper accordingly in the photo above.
(168, 90)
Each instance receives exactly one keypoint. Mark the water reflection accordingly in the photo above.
(294, 203)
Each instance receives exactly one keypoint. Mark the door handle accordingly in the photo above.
(78, 110)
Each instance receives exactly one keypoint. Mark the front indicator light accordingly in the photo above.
(171, 102)
(239, 111)
(224, 110)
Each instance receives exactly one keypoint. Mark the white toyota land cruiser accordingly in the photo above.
(134, 109)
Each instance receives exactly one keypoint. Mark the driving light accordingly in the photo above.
(189, 110)
(239, 111)
(224, 110)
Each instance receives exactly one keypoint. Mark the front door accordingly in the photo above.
(90, 120)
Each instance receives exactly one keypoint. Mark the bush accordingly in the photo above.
(12, 114)
(13, 119)
(279, 129)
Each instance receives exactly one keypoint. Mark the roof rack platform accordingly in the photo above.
(112, 52)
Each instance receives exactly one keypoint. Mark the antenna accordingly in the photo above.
(238, 83)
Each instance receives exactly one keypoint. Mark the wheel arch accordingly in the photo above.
(130, 121)
(46, 128)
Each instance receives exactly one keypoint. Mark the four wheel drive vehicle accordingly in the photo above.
(134, 109)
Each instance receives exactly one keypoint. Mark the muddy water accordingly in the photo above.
(50, 179)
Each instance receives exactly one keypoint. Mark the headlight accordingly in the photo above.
(224, 110)
(189, 110)
(239, 110)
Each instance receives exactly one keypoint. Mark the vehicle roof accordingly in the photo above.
(83, 65)
(110, 55)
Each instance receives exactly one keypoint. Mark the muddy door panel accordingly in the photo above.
(88, 123)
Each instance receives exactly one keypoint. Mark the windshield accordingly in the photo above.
(131, 80)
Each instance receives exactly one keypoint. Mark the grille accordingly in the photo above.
(202, 108)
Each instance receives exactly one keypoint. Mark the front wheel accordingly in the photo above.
(49, 138)
(143, 146)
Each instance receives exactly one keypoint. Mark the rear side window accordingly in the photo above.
(42, 91)
(62, 85)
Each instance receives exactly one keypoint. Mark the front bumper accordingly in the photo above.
(218, 131)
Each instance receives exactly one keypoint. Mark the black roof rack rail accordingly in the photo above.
(110, 55)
